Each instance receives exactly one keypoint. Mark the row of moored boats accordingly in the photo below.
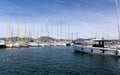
(18, 44)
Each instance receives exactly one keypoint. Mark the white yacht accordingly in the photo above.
(33, 44)
(46, 44)
(53, 44)
(9, 44)
(9, 38)
(61, 44)
(24, 44)
(100, 47)
(97, 49)
(41, 44)
(16, 44)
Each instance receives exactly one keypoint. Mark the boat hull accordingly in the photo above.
(16, 45)
(68, 44)
(2, 46)
(33, 45)
(41, 45)
(9, 45)
(95, 50)
(25, 45)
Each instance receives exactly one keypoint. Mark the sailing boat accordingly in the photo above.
(39, 42)
(17, 43)
(53, 43)
(24, 43)
(9, 40)
(32, 42)
(69, 42)
(47, 42)
(61, 42)
(58, 43)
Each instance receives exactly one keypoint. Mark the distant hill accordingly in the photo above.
(82, 39)
(46, 38)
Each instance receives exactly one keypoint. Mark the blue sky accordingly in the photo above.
(87, 17)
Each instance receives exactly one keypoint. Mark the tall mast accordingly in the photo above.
(57, 32)
(68, 31)
(77, 35)
(65, 32)
(38, 29)
(61, 29)
(33, 32)
(18, 29)
(47, 31)
(117, 15)
(25, 29)
(9, 30)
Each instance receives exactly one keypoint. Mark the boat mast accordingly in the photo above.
(18, 29)
(77, 35)
(65, 33)
(33, 33)
(117, 15)
(68, 32)
(25, 30)
(58, 32)
(38, 29)
(61, 29)
(9, 31)
(47, 31)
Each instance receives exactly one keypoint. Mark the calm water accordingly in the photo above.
(55, 61)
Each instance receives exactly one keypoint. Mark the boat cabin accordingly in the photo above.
(100, 43)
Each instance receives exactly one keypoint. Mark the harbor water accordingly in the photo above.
(58, 60)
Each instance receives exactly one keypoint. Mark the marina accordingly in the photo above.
(59, 37)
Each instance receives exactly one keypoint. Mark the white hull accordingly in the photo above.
(10, 45)
(41, 45)
(71, 44)
(61, 44)
(46, 44)
(16, 45)
(24, 45)
(96, 50)
(32, 44)
(53, 44)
